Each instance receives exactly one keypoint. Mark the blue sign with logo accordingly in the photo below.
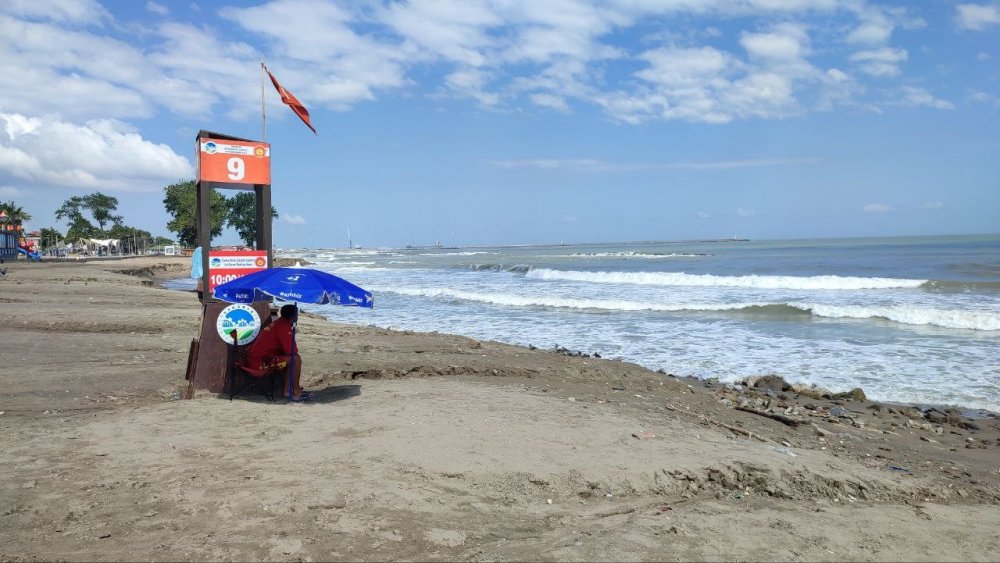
(240, 318)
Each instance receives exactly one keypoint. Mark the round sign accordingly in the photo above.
(240, 318)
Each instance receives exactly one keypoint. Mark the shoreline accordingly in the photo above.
(964, 411)
(436, 446)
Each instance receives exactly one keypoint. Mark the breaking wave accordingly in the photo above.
(708, 280)
(633, 254)
(518, 268)
(904, 314)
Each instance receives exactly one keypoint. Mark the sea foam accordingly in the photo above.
(912, 315)
(708, 280)
(904, 314)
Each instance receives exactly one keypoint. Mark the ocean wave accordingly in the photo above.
(550, 301)
(519, 268)
(462, 253)
(904, 314)
(964, 286)
(709, 280)
(911, 315)
(634, 254)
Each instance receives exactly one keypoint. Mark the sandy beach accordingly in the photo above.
(439, 447)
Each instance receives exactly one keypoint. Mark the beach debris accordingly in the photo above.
(811, 391)
(548, 500)
(842, 412)
(910, 423)
(898, 468)
(782, 450)
(774, 416)
(643, 435)
(571, 353)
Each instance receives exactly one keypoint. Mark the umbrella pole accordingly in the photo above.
(291, 360)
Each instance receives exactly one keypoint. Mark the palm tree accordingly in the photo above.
(15, 214)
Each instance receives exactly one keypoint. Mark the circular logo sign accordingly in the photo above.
(260, 262)
(210, 147)
(241, 318)
(259, 151)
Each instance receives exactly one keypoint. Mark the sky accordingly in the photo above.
(470, 122)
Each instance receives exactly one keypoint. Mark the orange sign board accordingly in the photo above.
(234, 162)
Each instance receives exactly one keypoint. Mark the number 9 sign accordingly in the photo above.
(234, 162)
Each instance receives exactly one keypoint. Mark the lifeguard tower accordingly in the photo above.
(227, 162)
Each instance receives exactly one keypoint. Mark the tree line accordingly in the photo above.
(238, 212)
(180, 200)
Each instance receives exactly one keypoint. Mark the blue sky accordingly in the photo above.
(520, 121)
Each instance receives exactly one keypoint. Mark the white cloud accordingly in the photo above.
(713, 86)
(931, 205)
(746, 212)
(550, 101)
(473, 83)
(157, 8)
(880, 62)
(977, 16)
(683, 83)
(70, 11)
(982, 56)
(876, 208)
(7, 191)
(703, 215)
(293, 219)
(104, 154)
(917, 97)
(984, 98)
(784, 43)
(81, 75)
(325, 59)
(555, 54)
(874, 28)
(455, 30)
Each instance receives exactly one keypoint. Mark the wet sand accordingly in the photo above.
(431, 446)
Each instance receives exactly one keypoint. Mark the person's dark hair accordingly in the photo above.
(288, 312)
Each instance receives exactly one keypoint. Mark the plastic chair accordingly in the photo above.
(241, 377)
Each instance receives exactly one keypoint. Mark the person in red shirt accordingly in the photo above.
(274, 346)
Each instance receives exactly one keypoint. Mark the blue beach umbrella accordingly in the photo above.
(298, 285)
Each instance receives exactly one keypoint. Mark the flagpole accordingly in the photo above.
(263, 114)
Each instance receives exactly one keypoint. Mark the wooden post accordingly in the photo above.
(262, 196)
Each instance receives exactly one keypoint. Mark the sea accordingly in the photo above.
(910, 320)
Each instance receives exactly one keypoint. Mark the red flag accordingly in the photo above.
(291, 101)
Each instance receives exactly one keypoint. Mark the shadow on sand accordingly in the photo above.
(328, 394)
(334, 393)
